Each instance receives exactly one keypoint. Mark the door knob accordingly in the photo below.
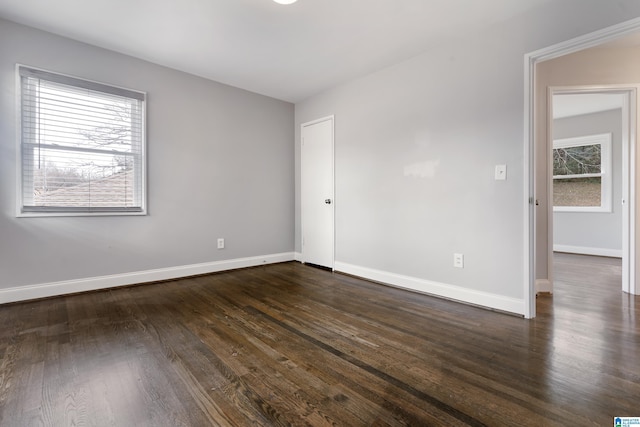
(328, 201)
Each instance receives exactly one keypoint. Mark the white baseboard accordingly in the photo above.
(44, 290)
(583, 250)
(469, 296)
(543, 285)
(298, 256)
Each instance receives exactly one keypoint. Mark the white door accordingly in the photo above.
(317, 204)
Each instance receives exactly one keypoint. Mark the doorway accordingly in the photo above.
(589, 131)
(317, 192)
(537, 205)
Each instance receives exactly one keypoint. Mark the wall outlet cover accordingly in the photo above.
(458, 260)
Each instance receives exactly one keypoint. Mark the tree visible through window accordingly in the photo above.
(82, 146)
(581, 173)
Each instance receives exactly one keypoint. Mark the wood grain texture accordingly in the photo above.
(289, 344)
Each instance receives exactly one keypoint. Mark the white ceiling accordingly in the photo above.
(287, 52)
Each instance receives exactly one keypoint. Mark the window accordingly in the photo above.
(82, 147)
(582, 174)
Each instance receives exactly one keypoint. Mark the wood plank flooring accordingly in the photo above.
(289, 344)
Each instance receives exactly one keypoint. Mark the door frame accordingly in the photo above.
(628, 136)
(330, 118)
(530, 60)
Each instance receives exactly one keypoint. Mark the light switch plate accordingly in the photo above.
(501, 172)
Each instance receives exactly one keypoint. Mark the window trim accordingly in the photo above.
(29, 71)
(606, 175)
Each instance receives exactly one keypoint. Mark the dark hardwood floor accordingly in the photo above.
(289, 344)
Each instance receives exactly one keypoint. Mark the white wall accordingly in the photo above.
(220, 164)
(449, 116)
(596, 233)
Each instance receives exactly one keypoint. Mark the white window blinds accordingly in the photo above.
(82, 146)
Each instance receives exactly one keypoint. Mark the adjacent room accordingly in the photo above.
(319, 212)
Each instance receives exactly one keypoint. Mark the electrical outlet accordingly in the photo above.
(458, 260)
(220, 243)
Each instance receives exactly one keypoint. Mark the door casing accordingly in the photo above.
(530, 60)
(628, 143)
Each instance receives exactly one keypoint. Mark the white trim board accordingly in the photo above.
(45, 290)
(544, 286)
(443, 290)
(583, 250)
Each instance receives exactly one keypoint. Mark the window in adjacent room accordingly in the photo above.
(582, 174)
(82, 147)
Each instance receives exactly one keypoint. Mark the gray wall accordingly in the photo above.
(593, 230)
(220, 164)
(458, 110)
